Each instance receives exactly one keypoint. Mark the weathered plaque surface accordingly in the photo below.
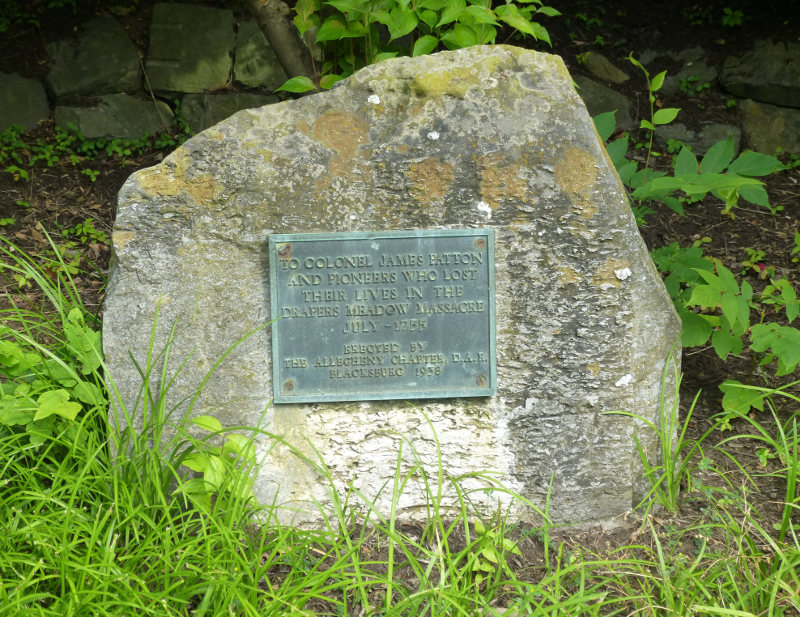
(383, 315)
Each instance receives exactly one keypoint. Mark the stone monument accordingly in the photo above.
(485, 140)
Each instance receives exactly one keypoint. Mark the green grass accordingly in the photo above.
(100, 519)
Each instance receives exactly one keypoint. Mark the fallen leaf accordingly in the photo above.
(719, 41)
(37, 236)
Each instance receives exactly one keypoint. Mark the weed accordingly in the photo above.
(732, 18)
(92, 174)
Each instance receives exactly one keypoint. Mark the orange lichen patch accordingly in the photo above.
(169, 180)
(322, 183)
(344, 133)
(576, 173)
(594, 368)
(606, 275)
(430, 180)
(499, 180)
(120, 239)
(302, 126)
(569, 275)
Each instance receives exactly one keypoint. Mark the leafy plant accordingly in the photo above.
(689, 85)
(86, 231)
(732, 18)
(18, 173)
(349, 36)
(490, 547)
(92, 174)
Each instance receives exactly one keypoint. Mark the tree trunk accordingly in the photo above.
(274, 18)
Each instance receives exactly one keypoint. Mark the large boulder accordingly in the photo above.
(769, 74)
(769, 127)
(484, 137)
(117, 115)
(102, 60)
(190, 48)
(600, 99)
(205, 110)
(601, 67)
(22, 102)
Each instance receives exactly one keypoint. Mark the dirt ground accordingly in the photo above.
(61, 196)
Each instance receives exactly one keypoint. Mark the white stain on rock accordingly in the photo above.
(374, 99)
(433, 135)
(485, 208)
(623, 274)
(624, 380)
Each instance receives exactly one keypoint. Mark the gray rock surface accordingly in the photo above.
(698, 69)
(702, 140)
(117, 115)
(190, 48)
(22, 101)
(205, 110)
(601, 67)
(687, 56)
(768, 127)
(481, 137)
(769, 74)
(103, 60)
(600, 99)
(256, 65)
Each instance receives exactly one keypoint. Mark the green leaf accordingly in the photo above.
(626, 172)
(725, 343)
(425, 45)
(705, 296)
(665, 116)
(685, 163)
(10, 353)
(718, 157)
(385, 55)
(430, 18)
(712, 279)
(88, 393)
(332, 30)
(297, 84)
(404, 22)
(744, 310)
(645, 124)
(617, 150)
(453, 11)
(349, 6)
(727, 279)
(657, 82)
(208, 423)
(747, 290)
(326, 83)
(755, 195)
(490, 554)
(214, 473)
(56, 402)
(240, 445)
(755, 164)
(605, 125)
(482, 15)
(673, 204)
(792, 310)
(739, 399)
(696, 330)
(16, 411)
(465, 35)
(730, 307)
(196, 461)
(479, 528)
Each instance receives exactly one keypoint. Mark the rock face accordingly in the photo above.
(600, 99)
(769, 74)
(117, 115)
(22, 102)
(256, 64)
(702, 140)
(190, 48)
(205, 110)
(102, 61)
(769, 127)
(600, 66)
(482, 137)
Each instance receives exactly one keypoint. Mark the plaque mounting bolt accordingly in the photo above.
(288, 386)
(481, 380)
(480, 243)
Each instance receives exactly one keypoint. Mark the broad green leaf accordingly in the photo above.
(16, 411)
(349, 6)
(626, 172)
(88, 393)
(196, 461)
(762, 336)
(433, 5)
(605, 125)
(725, 343)
(730, 307)
(56, 402)
(489, 36)
(787, 348)
(792, 310)
(465, 35)
(645, 124)
(297, 84)
(727, 279)
(241, 445)
(453, 11)
(214, 472)
(696, 330)
(208, 423)
(744, 310)
(549, 11)
(658, 81)
(448, 39)
(712, 279)
(425, 45)
(755, 164)
(685, 163)
(430, 18)
(404, 22)
(332, 30)
(326, 83)
(479, 528)
(747, 290)
(705, 296)
(718, 157)
(740, 400)
(355, 29)
(617, 150)
(665, 116)
(385, 55)
(511, 546)
(482, 15)
(490, 554)
(10, 353)
(301, 24)
(755, 195)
